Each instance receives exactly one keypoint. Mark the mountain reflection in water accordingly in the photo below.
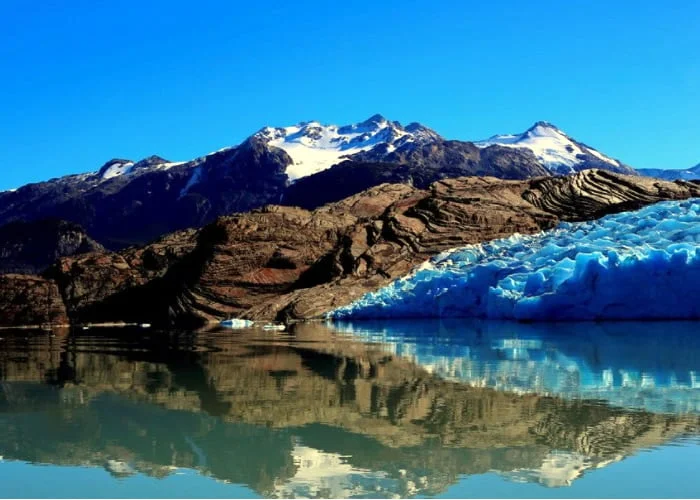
(378, 409)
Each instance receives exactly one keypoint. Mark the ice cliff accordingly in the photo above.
(642, 264)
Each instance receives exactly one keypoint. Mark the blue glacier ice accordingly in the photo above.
(643, 264)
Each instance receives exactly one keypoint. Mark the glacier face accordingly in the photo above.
(643, 264)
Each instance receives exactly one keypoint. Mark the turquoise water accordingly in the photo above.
(421, 408)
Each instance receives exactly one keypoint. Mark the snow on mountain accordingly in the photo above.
(115, 168)
(556, 150)
(559, 469)
(314, 147)
(320, 473)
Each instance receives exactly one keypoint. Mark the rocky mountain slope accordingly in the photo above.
(126, 202)
(31, 247)
(289, 263)
(122, 204)
(671, 174)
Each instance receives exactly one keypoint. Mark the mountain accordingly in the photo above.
(129, 202)
(419, 166)
(125, 203)
(671, 174)
(282, 262)
(31, 247)
(314, 147)
(558, 152)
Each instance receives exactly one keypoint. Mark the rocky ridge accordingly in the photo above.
(672, 174)
(129, 202)
(31, 247)
(286, 263)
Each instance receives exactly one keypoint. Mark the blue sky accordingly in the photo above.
(85, 81)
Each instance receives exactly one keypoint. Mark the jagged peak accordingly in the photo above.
(374, 120)
(314, 146)
(543, 123)
(543, 127)
(150, 161)
(416, 127)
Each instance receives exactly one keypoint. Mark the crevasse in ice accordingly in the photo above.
(643, 264)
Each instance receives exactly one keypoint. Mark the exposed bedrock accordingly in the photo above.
(287, 263)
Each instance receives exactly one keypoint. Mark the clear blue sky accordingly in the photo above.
(85, 81)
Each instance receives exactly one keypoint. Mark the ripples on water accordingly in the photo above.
(364, 409)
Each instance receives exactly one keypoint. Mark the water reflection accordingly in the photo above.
(348, 410)
(652, 366)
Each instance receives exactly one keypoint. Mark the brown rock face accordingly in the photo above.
(595, 193)
(286, 263)
(30, 300)
(104, 287)
(457, 212)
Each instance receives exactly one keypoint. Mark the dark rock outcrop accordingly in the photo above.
(155, 198)
(287, 263)
(31, 247)
(595, 193)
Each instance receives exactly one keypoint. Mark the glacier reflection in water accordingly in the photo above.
(653, 366)
(364, 410)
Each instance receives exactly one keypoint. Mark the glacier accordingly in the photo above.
(637, 265)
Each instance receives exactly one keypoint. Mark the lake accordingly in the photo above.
(368, 409)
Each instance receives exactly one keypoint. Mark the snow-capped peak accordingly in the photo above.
(314, 147)
(554, 148)
(116, 167)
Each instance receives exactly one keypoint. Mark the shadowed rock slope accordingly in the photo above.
(31, 247)
(287, 263)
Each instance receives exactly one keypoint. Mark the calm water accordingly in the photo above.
(423, 408)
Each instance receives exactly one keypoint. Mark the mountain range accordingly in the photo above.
(671, 174)
(127, 202)
(132, 202)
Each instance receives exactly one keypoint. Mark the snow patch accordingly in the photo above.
(117, 169)
(326, 474)
(314, 147)
(193, 180)
(559, 469)
(556, 150)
